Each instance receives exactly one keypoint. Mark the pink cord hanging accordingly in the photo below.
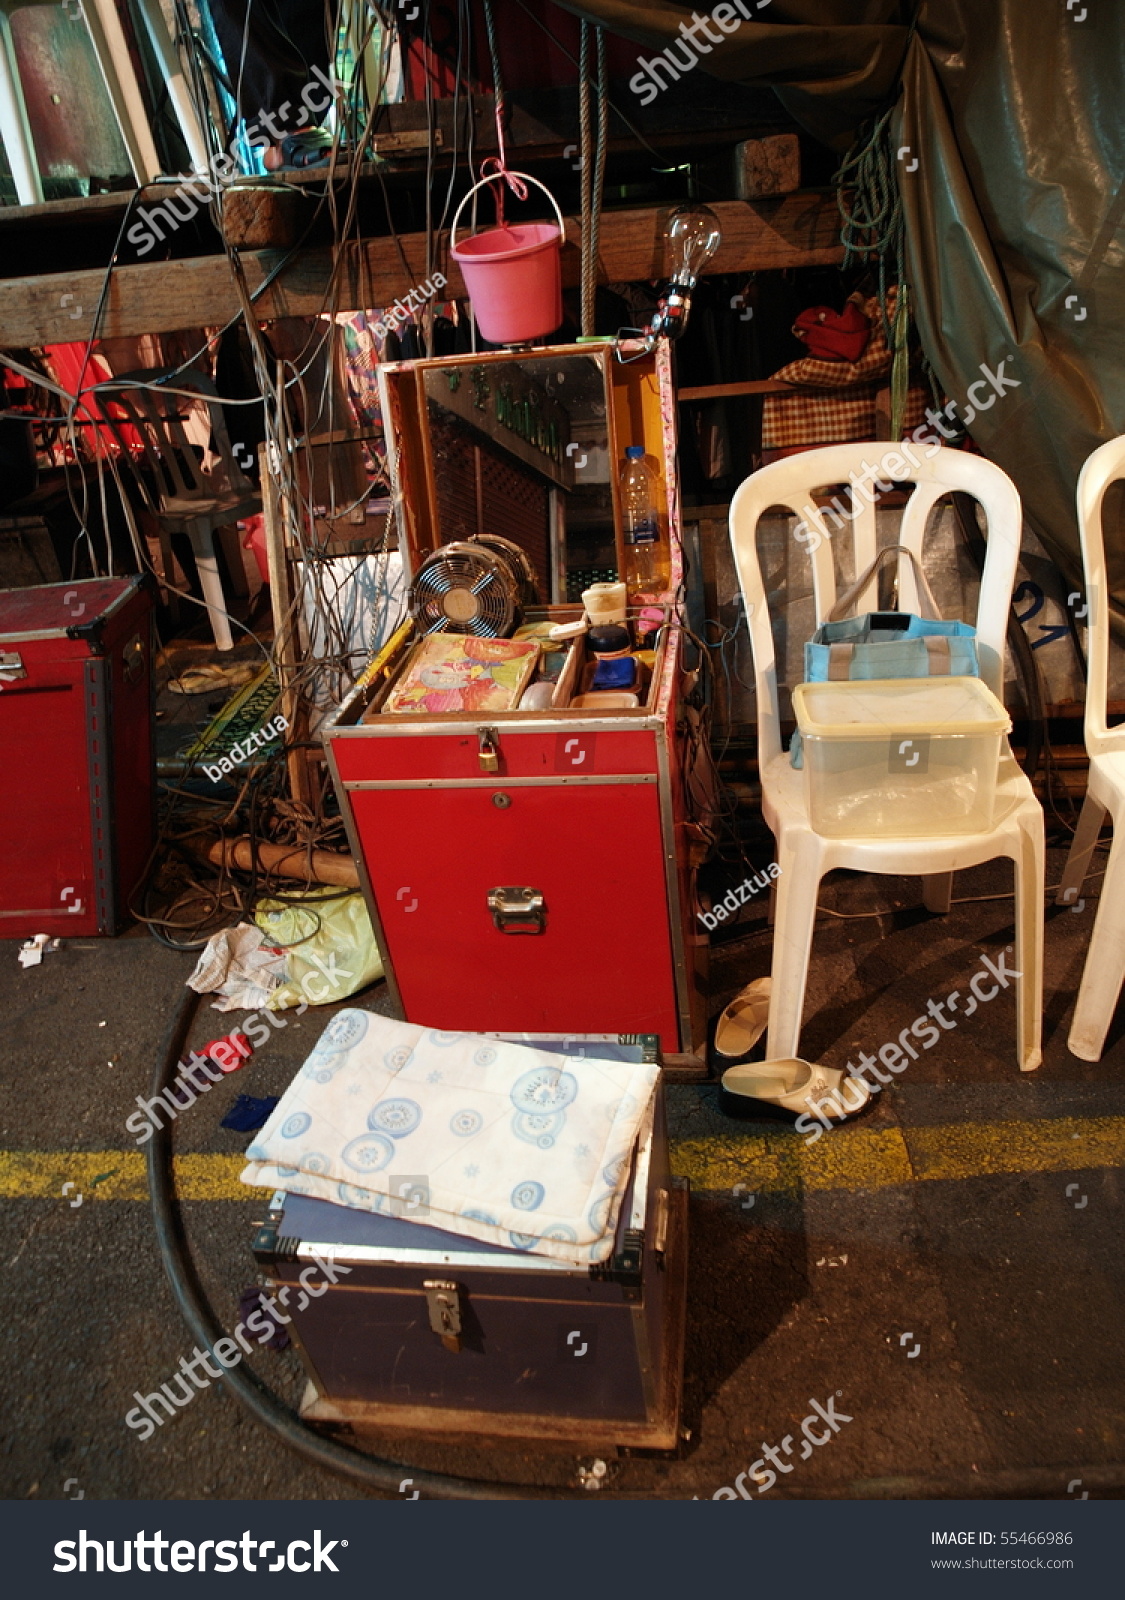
(495, 170)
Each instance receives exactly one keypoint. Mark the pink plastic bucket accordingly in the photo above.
(513, 275)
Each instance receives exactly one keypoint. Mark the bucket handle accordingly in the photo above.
(527, 177)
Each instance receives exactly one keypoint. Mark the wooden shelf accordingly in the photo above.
(797, 230)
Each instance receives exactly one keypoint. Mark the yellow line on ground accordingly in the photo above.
(114, 1175)
(854, 1157)
(849, 1158)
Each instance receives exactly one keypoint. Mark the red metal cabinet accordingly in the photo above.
(584, 812)
(77, 804)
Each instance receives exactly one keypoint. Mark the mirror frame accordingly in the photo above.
(402, 394)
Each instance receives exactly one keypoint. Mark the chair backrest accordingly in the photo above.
(1102, 469)
(173, 461)
(934, 472)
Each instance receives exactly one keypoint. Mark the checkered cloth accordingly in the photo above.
(845, 409)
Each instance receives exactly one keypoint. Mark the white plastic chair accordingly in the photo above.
(185, 498)
(1105, 959)
(803, 855)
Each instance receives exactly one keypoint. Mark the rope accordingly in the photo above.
(599, 166)
(592, 182)
(497, 166)
(870, 205)
(586, 175)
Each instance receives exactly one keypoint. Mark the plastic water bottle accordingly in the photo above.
(646, 553)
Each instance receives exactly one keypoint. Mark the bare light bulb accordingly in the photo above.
(691, 238)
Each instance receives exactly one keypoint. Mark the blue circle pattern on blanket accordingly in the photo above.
(561, 1232)
(396, 1117)
(465, 1123)
(345, 1030)
(523, 1241)
(540, 1098)
(544, 1089)
(528, 1196)
(538, 1128)
(313, 1161)
(350, 1194)
(397, 1058)
(485, 1056)
(322, 1066)
(598, 1214)
(295, 1125)
(369, 1153)
(481, 1216)
(614, 1172)
(436, 1036)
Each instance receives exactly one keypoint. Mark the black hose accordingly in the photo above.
(205, 1328)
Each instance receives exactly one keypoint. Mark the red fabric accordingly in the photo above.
(528, 58)
(832, 335)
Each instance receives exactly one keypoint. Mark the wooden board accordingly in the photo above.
(164, 296)
(767, 166)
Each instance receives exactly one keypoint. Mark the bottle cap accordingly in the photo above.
(608, 639)
(635, 452)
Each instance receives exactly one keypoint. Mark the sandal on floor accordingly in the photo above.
(744, 1021)
(798, 1086)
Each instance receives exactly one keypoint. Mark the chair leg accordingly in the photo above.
(1104, 971)
(798, 886)
(172, 595)
(1081, 849)
(1030, 874)
(937, 891)
(203, 544)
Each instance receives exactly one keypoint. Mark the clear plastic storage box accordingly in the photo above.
(906, 757)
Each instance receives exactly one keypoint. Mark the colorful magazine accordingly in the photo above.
(457, 672)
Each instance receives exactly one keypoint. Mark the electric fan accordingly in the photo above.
(518, 562)
(466, 588)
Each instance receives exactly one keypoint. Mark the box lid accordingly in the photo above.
(61, 610)
(887, 706)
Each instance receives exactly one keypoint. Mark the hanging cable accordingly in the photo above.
(870, 205)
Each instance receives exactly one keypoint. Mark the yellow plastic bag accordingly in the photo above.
(329, 946)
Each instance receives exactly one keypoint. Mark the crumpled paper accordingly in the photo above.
(31, 951)
(238, 966)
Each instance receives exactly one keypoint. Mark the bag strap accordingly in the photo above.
(926, 599)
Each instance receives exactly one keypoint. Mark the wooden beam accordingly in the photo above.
(165, 296)
(727, 391)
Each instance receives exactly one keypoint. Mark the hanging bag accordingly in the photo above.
(890, 644)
